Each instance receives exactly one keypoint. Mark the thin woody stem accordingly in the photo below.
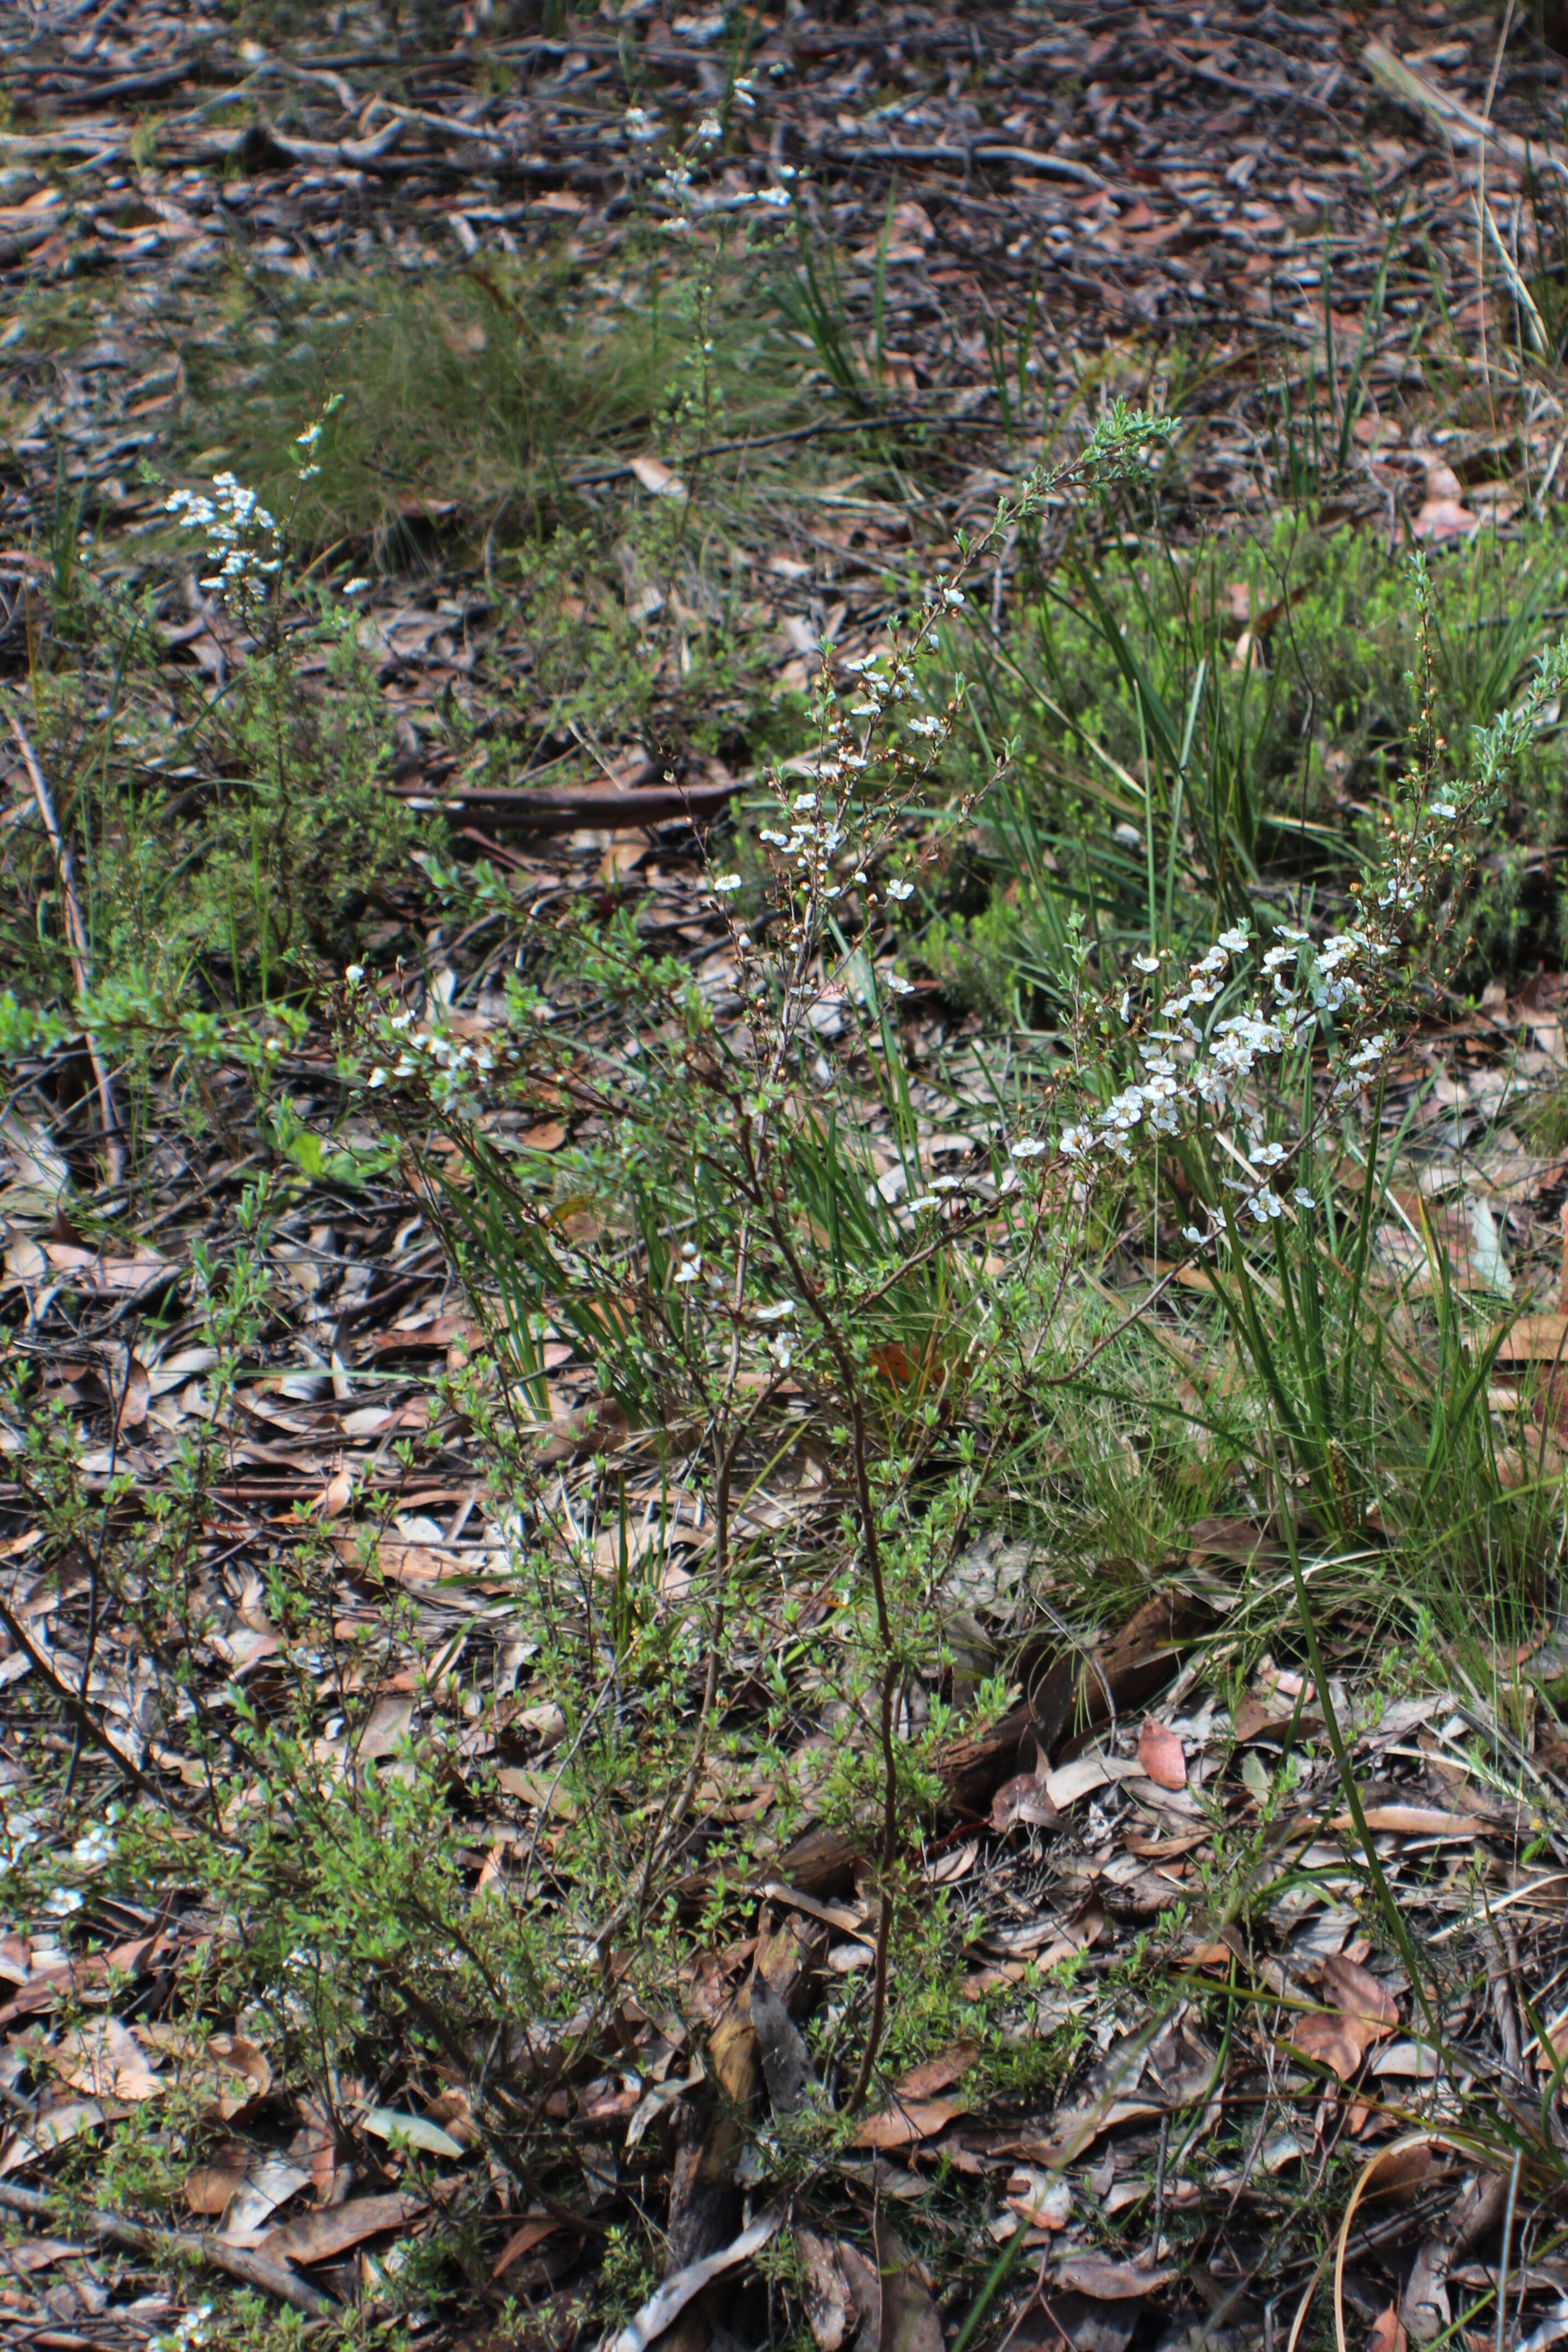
(78, 949)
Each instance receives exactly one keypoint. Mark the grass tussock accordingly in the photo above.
(497, 393)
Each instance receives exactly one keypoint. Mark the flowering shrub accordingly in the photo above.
(1321, 994)
(740, 1261)
(241, 536)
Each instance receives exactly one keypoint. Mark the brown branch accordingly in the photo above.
(175, 2246)
(525, 810)
(44, 1666)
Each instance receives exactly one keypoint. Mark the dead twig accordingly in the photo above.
(1460, 124)
(78, 947)
(174, 2246)
(562, 810)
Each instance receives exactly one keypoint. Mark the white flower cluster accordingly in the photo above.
(690, 1268)
(839, 828)
(20, 1827)
(1194, 1075)
(454, 1068)
(241, 536)
(96, 1847)
(189, 2331)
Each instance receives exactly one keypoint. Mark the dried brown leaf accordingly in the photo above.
(827, 2296)
(105, 2060)
(1160, 1754)
(905, 2122)
(925, 2081)
(316, 2237)
(1108, 2282)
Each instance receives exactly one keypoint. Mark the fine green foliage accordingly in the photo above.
(232, 838)
(500, 394)
(1195, 729)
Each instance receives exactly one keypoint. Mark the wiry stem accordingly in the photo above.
(78, 947)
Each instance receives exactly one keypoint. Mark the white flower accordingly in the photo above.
(1266, 1155)
(778, 1313)
(355, 587)
(1029, 1146)
(805, 800)
(1077, 1141)
(1238, 939)
(1145, 963)
(728, 882)
(354, 974)
(897, 983)
(953, 598)
(689, 1270)
(377, 1078)
(925, 726)
(1305, 1200)
(900, 890)
(61, 1901)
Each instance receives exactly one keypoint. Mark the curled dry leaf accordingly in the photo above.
(222, 2070)
(1387, 2335)
(1359, 2011)
(210, 2186)
(105, 2060)
(52, 2129)
(1417, 1821)
(1107, 2281)
(828, 2306)
(522, 2240)
(910, 2321)
(657, 478)
(1161, 1755)
(661, 2309)
(925, 2081)
(1023, 1798)
(415, 2131)
(269, 2182)
(1443, 519)
(905, 2122)
(786, 2065)
(316, 2237)
(944, 1869)
(1085, 1774)
(1042, 2200)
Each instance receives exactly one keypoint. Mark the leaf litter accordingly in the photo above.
(1086, 1861)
